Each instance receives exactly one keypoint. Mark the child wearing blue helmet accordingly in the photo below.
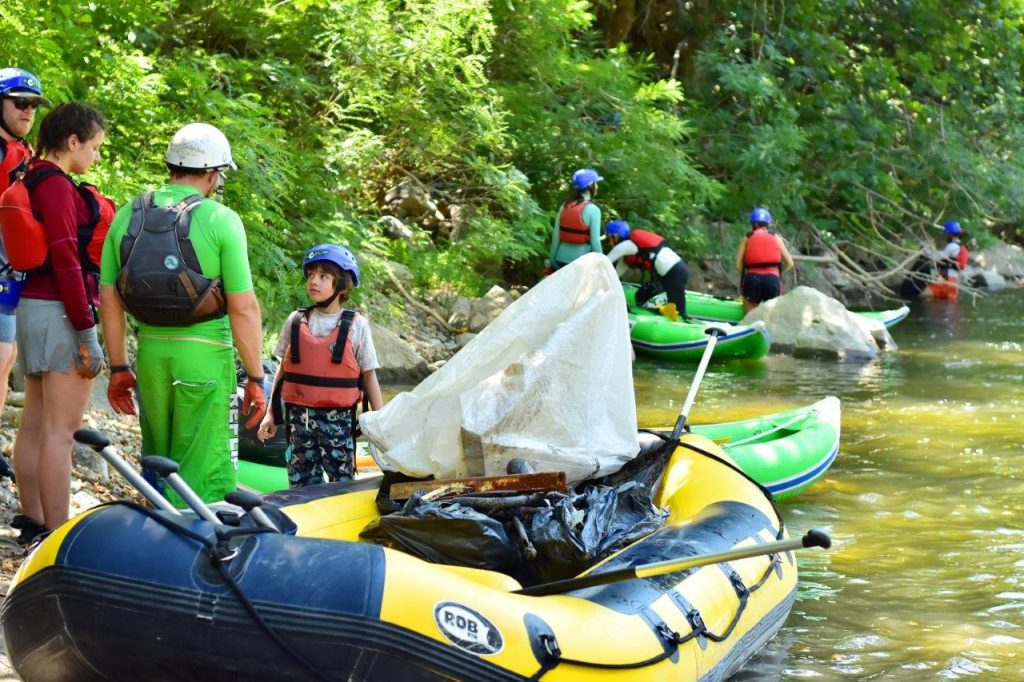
(328, 367)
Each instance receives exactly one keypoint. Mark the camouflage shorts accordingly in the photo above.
(320, 443)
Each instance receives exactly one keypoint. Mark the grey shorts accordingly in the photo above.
(46, 339)
(7, 328)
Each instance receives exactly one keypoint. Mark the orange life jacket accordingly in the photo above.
(321, 371)
(14, 158)
(648, 245)
(571, 228)
(961, 258)
(24, 235)
(763, 255)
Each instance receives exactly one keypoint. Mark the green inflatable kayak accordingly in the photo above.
(657, 336)
(785, 452)
(716, 309)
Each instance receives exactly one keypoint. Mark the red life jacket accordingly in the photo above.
(14, 158)
(648, 245)
(763, 255)
(321, 371)
(23, 232)
(571, 228)
(961, 258)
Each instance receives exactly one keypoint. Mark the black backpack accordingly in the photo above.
(161, 282)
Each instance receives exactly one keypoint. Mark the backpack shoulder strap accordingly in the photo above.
(91, 202)
(183, 228)
(138, 219)
(343, 328)
(33, 179)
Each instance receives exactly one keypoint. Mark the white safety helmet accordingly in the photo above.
(199, 146)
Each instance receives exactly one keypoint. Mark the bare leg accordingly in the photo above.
(748, 306)
(65, 398)
(26, 450)
(7, 354)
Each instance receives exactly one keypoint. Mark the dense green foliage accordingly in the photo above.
(863, 122)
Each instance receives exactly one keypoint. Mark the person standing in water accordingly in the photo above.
(761, 259)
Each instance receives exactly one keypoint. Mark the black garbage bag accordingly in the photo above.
(647, 467)
(446, 533)
(581, 529)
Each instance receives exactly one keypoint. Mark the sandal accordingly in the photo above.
(30, 529)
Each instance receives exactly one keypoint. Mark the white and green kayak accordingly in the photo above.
(655, 335)
(785, 452)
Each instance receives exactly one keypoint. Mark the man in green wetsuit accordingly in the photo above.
(186, 372)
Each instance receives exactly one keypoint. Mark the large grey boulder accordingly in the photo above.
(808, 323)
(983, 279)
(395, 228)
(461, 311)
(1006, 259)
(399, 363)
(486, 308)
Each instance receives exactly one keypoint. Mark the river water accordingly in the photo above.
(925, 503)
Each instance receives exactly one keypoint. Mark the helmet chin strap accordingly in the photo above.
(328, 301)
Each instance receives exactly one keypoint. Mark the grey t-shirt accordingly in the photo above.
(322, 324)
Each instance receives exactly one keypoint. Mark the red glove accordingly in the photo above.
(119, 391)
(254, 402)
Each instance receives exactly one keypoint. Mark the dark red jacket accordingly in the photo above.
(61, 209)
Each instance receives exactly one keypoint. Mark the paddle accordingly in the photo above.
(714, 333)
(813, 538)
(168, 469)
(101, 444)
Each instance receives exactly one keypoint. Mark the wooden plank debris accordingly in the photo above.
(548, 481)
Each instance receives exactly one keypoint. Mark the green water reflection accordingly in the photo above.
(925, 502)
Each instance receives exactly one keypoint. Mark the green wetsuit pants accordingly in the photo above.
(185, 390)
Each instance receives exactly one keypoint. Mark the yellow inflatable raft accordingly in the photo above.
(125, 593)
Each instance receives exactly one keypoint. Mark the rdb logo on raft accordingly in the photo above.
(467, 629)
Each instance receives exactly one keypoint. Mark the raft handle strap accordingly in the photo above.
(553, 656)
(671, 640)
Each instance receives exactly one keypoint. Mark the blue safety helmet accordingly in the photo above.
(22, 84)
(585, 177)
(952, 227)
(760, 215)
(332, 253)
(617, 228)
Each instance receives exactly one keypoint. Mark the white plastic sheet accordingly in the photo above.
(550, 380)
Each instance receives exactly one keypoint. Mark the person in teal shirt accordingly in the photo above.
(578, 224)
(186, 372)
